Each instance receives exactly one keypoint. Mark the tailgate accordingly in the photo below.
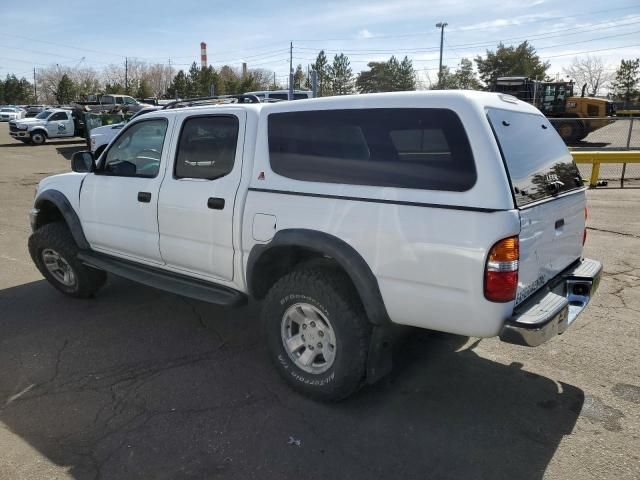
(548, 192)
(550, 240)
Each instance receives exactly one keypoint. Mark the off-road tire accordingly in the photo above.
(335, 297)
(38, 138)
(57, 237)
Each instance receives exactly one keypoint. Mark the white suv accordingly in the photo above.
(461, 212)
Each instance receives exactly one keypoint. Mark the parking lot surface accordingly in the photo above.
(138, 383)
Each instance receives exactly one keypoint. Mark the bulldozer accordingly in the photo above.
(557, 100)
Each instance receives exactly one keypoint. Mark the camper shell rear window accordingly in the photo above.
(538, 162)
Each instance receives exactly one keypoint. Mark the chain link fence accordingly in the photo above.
(604, 134)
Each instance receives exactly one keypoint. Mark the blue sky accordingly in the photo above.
(95, 34)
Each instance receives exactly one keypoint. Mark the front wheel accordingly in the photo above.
(38, 138)
(54, 252)
(318, 333)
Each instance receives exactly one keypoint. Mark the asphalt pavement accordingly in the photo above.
(138, 383)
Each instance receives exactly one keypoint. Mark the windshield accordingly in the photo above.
(44, 114)
(7, 110)
(538, 162)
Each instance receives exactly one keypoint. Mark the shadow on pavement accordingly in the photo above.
(53, 142)
(139, 383)
(67, 152)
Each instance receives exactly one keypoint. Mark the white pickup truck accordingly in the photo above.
(461, 212)
(50, 123)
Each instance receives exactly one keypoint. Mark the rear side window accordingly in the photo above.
(395, 147)
(538, 162)
(207, 147)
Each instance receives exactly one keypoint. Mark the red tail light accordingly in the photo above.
(501, 271)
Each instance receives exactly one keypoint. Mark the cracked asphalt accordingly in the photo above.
(138, 383)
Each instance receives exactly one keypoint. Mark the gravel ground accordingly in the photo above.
(138, 383)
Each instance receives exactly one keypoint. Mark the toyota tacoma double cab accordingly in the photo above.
(460, 212)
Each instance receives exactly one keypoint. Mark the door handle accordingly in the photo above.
(215, 203)
(144, 197)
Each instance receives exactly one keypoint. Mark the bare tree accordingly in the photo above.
(590, 71)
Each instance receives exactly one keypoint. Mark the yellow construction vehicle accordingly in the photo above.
(556, 100)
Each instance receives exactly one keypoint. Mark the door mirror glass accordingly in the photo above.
(82, 162)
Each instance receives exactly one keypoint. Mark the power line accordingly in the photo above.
(476, 45)
(471, 28)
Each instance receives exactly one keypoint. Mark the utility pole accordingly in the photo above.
(274, 80)
(441, 26)
(35, 87)
(291, 71)
(126, 75)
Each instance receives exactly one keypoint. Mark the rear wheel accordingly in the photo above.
(38, 138)
(570, 131)
(54, 252)
(318, 333)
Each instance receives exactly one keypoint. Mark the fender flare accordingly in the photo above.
(344, 254)
(61, 202)
(39, 130)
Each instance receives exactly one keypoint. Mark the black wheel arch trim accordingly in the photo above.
(62, 203)
(344, 254)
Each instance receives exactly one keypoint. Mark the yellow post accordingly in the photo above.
(595, 172)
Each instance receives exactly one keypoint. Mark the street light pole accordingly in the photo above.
(441, 26)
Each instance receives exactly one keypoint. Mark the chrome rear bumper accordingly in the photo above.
(550, 311)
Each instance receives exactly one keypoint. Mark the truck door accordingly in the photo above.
(195, 208)
(60, 124)
(119, 201)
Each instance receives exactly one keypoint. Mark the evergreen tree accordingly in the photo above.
(179, 87)
(66, 91)
(342, 80)
(321, 65)
(511, 61)
(14, 91)
(299, 77)
(625, 85)
(406, 75)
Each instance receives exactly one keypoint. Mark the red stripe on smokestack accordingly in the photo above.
(203, 54)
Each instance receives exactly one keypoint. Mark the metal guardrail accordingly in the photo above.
(597, 158)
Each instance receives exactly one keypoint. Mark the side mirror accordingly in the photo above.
(82, 162)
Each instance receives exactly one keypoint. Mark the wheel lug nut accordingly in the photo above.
(313, 324)
(319, 345)
(311, 347)
(321, 333)
(304, 326)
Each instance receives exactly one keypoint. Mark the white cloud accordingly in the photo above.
(364, 33)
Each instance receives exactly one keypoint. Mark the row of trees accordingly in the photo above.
(58, 84)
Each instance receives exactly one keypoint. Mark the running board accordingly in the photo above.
(164, 280)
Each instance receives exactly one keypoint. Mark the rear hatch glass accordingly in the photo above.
(538, 162)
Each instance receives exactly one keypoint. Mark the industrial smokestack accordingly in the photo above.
(203, 54)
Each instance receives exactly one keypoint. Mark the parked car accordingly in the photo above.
(11, 113)
(101, 136)
(460, 212)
